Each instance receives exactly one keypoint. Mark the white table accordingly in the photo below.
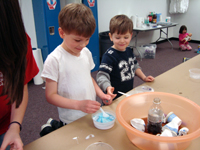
(161, 27)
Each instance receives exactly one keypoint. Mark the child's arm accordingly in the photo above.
(189, 36)
(107, 99)
(181, 37)
(103, 80)
(87, 106)
(142, 76)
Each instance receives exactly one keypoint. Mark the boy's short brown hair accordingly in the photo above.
(78, 19)
(121, 24)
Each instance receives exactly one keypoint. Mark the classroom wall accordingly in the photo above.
(108, 8)
(28, 18)
(191, 19)
(65, 2)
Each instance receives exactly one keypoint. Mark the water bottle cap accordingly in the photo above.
(157, 101)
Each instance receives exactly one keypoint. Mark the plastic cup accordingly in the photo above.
(103, 125)
(172, 126)
(183, 131)
(172, 117)
(138, 124)
(167, 133)
(99, 146)
(146, 21)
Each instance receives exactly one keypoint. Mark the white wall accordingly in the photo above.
(109, 8)
(28, 18)
(191, 19)
(65, 2)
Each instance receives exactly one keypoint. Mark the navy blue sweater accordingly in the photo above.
(121, 66)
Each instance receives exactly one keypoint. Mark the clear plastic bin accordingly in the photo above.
(147, 51)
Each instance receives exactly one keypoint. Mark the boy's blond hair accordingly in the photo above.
(121, 24)
(78, 19)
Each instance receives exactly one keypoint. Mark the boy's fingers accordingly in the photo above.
(96, 103)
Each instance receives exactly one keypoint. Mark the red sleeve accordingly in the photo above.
(31, 68)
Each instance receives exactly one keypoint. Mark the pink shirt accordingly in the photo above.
(181, 37)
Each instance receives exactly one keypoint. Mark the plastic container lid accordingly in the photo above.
(195, 73)
(141, 89)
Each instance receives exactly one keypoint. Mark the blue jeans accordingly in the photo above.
(1, 141)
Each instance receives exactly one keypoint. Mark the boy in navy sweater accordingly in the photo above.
(119, 65)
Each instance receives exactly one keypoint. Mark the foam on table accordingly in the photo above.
(100, 118)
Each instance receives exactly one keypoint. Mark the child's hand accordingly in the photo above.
(110, 91)
(107, 99)
(109, 96)
(148, 79)
(190, 34)
(89, 106)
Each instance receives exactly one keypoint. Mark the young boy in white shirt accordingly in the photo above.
(67, 70)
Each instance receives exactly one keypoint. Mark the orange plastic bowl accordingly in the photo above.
(137, 106)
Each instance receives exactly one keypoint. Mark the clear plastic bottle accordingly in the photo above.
(155, 117)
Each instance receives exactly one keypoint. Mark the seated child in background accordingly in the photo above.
(184, 37)
(67, 70)
(119, 65)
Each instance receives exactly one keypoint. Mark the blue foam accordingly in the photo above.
(99, 118)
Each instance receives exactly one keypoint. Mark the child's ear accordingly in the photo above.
(61, 32)
(110, 36)
(131, 35)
